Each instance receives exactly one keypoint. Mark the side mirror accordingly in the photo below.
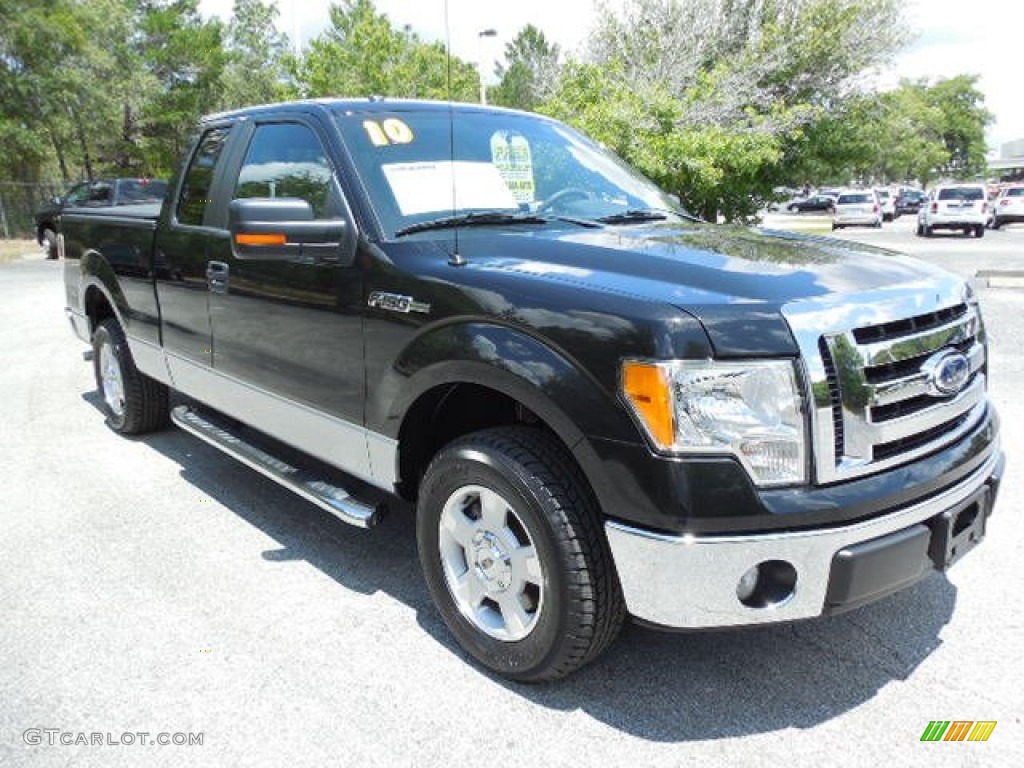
(283, 229)
(56, 200)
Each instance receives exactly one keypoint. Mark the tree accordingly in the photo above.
(185, 56)
(963, 121)
(255, 70)
(530, 73)
(363, 54)
(720, 94)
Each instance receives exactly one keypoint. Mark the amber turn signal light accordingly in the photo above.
(647, 387)
(245, 238)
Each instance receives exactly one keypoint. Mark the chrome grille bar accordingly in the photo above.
(863, 356)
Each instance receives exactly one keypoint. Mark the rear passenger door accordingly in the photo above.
(180, 257)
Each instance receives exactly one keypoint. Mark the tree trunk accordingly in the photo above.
(82, 143)
(65, 177)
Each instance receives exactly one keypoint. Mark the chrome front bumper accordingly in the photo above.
(691, 581)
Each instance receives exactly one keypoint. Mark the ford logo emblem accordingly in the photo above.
(947, 373)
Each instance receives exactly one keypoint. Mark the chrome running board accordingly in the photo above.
(326, 495)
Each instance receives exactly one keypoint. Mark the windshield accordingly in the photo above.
(503, 162)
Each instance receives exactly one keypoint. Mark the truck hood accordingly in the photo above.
(733, 279)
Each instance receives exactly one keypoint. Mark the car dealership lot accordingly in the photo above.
(154, 585)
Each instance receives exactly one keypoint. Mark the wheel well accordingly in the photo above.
(446, 412)
(97, 308)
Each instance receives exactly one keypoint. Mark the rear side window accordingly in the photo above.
(962, 193)
(288, 160)
(141, 190)
(195, 192)
(859, 198)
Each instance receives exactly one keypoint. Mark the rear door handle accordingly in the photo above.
(217, 276)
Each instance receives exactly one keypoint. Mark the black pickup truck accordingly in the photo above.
(98, 193)
(599, 405)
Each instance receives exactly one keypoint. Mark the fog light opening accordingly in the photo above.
(767, 584)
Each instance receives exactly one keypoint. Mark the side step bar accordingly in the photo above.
(325, 495)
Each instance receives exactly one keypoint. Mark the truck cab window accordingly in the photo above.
(288, 160)
(195, 192)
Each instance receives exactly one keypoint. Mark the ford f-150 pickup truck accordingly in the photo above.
(599, 405)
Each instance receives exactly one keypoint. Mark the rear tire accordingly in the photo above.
(514, 554)
(928, 231)
(132, 402)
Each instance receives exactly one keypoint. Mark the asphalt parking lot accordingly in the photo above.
(155, 586)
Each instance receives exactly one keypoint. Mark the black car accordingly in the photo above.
(909, 201)
(812, 203)
(98, 193)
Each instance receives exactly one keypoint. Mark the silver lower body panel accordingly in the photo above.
(688, 581)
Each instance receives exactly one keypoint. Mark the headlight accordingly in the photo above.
(751, 409)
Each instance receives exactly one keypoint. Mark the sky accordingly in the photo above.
(953, 37)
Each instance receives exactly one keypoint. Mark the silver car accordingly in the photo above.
(857, 207)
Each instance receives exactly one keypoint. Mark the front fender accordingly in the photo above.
(508, 360)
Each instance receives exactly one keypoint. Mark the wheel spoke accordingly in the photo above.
(469, 589)
(514, 614)
(460, 527)
(527, 565)
(493, 510)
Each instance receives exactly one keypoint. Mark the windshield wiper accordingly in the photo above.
(485, 219)
(633, 216)
(490, 218)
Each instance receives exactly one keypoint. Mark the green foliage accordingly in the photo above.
(257, 57)
(712, 169)
(530, 72)
(185, 55)
(716, 100)
(363, 54)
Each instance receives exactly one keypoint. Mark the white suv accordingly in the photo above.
(1009, 207)
(954, 206)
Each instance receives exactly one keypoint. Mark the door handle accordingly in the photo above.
(217, 276)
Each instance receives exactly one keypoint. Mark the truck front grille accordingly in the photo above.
(881, 376)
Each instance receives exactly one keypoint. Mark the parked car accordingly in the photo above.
(812, 203)
(909, 201)
(955, 206)
(857, 207)
(1009, 207)
(887, 203)
(98, 193)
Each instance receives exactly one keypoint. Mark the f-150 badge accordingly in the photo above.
(395, 302)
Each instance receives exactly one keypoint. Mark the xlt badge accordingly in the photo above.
(395, 302)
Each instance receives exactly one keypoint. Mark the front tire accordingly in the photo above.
(979, 231)
(49, 243)
(513, 552)
(132, 402)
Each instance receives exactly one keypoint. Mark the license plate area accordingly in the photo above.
(958, 530)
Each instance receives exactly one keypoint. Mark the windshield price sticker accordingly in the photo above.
(511, 155)
(427, 187)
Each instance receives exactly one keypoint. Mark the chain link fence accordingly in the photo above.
(18, 203)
